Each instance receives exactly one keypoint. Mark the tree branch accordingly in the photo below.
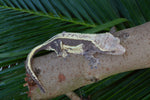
(60, 76)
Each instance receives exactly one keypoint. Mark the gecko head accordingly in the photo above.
(107, 42)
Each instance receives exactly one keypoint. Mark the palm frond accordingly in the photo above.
(25, 24)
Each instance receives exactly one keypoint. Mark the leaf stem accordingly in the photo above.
(62, 18)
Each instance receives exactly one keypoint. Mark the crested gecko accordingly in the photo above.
(77, 43)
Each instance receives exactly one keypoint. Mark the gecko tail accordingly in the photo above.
(29, 68)
(31, 82)
(40, 85)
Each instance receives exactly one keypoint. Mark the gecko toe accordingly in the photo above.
(95, 67)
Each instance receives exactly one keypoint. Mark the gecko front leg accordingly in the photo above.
(93, 62)
(89, 51)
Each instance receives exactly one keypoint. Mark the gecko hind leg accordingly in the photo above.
(59, 49)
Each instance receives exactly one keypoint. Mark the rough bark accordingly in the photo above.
(60, 76)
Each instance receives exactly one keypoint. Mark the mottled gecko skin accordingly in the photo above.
(77, 43)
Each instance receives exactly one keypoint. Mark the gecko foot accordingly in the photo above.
(93, 67)
(93, 62)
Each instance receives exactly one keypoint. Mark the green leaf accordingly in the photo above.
(25, 24)
(106, 25)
